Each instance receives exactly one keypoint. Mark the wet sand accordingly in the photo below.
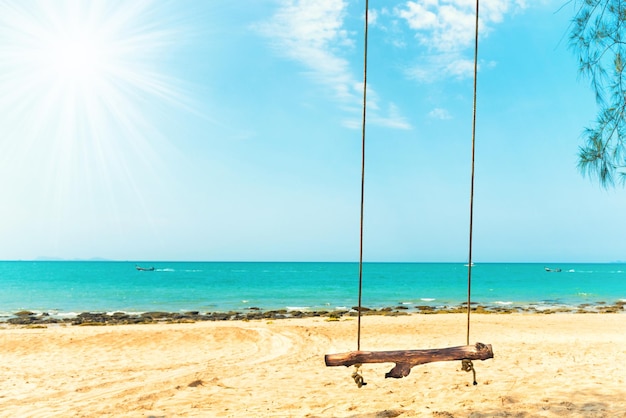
(544, 366)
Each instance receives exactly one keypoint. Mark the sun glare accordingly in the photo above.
(77, 59)
(78, 83)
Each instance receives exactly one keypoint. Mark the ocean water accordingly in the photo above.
(67, 288)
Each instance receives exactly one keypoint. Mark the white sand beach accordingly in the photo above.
(544, 366)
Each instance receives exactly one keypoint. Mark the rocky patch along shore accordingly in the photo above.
(28, 318)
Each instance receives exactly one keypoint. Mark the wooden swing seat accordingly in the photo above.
(406, 359)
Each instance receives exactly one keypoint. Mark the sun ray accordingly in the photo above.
(77, 81)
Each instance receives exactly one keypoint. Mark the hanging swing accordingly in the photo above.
(405, 360)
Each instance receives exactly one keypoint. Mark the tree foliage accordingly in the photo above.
(597, 37)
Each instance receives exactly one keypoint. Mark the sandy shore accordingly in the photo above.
(544, 366)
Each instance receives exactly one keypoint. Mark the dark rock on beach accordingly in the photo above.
(30, 319)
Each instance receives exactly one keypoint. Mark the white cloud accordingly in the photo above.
(392, 119)
(418, 16)
(372, 17)
(447, 29)
(312, 33)
(448, 25)
(459, 67)
(437, 66)
(439, 113)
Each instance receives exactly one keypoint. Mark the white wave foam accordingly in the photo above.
(66, 314)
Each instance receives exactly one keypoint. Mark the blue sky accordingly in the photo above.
(220, 130)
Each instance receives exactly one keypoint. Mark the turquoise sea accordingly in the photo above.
(66, 288)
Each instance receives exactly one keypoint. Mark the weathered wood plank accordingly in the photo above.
(406, 359)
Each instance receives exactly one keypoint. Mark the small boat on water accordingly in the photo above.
(139, 268)
(548, 269)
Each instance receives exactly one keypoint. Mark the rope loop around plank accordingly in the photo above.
(468, 366)
(357, 376)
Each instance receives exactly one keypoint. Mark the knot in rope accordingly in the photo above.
(358, 378)
(468, 366)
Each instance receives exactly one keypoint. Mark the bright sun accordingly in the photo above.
(86, 53)
(80, 58)
(78, 80)
(72, 44)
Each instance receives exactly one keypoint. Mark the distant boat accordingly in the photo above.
(548, 269)
(144, 268)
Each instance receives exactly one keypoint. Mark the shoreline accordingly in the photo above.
(92, 318)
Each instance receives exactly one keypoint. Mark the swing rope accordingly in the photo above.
(471, 216)
(358, 338)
